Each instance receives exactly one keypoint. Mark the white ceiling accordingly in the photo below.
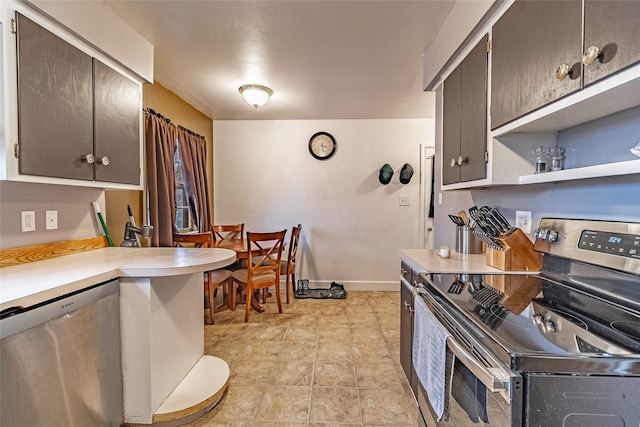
(323, 59)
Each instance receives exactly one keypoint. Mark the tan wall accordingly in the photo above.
(170, 105)
(116, 202)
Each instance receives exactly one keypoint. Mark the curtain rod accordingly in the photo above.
(148, 111)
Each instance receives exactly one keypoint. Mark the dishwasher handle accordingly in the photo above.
(495, 379)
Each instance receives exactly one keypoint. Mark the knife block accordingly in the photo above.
(518, 253)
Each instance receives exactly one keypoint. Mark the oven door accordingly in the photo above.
(474, 366)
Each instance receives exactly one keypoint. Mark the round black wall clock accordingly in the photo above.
(322, 146)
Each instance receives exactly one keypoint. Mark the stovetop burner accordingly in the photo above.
(632, 329)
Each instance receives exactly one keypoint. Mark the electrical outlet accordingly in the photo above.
(51, 220)
(405, 200)
(28, 221)
(523, 221)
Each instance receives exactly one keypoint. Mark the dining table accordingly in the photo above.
(239, 246)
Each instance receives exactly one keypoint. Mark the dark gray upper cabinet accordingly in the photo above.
(452, 104)
(465, 119)
(529, 43)
(77, 118)
(613, 27)
(117, 126)
(55, 105)
(534, 40)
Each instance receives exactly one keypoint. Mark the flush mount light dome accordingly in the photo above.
(255, 95)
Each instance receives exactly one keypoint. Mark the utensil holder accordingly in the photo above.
(518, 253)
(466, 241)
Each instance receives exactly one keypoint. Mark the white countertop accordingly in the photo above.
(31, 283)
(428, 260)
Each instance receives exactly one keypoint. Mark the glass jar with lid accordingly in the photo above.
(557, 158)
(541, 155)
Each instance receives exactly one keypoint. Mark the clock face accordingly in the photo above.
(322, 146)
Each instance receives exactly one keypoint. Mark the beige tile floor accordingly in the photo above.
(319, 363)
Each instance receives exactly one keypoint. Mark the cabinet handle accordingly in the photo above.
(461, 160)
(89, 158)
(104, 160)
(563, 71)
(408, 307)
(453, 163)
(590, 56)
(403, 271)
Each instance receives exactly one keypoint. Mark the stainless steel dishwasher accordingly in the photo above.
(60, 361)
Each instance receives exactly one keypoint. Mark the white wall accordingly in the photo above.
(352, 225)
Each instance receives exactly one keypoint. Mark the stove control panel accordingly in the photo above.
(611, 244)
(621, 244)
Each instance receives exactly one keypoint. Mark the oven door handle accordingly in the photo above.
(495, 379)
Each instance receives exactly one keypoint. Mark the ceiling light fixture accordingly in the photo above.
(255, 95)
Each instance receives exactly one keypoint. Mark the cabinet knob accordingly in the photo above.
(453, 163)
(461, 160)
(89, 158)
(590, 56)
(563, 71)
(104, 160)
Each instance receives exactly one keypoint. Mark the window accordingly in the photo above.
(183, 216)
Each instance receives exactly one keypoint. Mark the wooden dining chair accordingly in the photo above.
(213, 280)
(288, 266)
(263, 270)
(228, 232)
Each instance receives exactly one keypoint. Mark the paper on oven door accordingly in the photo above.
(430, 355)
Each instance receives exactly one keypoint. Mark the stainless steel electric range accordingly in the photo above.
(558, 348)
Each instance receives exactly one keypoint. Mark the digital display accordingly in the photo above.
(625, 245)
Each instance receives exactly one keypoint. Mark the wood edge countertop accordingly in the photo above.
(429, 260)
(35, 282)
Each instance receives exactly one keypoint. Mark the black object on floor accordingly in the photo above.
(336, 291)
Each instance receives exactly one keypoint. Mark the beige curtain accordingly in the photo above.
(160, 144)
(193, 149)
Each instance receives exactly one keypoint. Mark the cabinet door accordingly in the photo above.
(465, 119)
(406, 330)
(55, 106)
(613, 27)
(529, 42)
(473, 114)
(117, 126)
(451, 113)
